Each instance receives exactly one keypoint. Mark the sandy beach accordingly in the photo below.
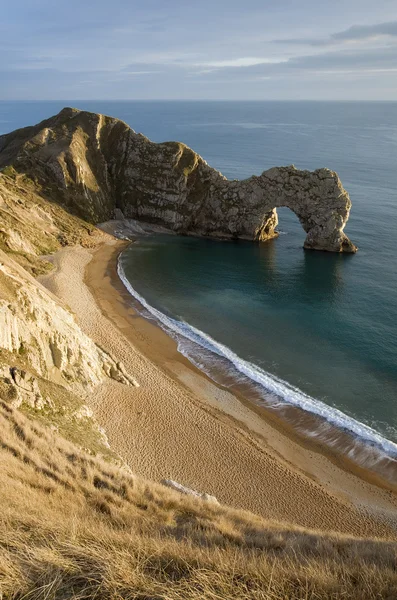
(178, 424)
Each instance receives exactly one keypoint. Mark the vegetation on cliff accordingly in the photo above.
(32, 225)
(73, 526)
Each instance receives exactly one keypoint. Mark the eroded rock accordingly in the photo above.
(178, 487)
(45, 335)
(101, 168)
(25, 389)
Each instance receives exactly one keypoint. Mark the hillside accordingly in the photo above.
(75, 522)
(73, 526)
(32, 225)
(47, 364)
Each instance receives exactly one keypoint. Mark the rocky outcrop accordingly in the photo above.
(94, 164)
(18, 386)
(178, 487)
(44, 335)
(31, 226)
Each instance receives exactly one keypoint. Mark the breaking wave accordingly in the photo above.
(206, 353)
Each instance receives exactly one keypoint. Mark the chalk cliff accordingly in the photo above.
(35, 325)
(93, 164)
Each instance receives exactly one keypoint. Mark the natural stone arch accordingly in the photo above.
(317, 198)
(187, 195)
(96, 164)
(319, 201)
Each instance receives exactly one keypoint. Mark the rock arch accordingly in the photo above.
(249, 207)
(95, 164)
(319, 201)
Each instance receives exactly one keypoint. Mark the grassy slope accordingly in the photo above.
(73, 526)
(31, 225)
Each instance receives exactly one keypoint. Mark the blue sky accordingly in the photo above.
(219, 49)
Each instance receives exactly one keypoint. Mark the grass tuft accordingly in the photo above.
(74, 526)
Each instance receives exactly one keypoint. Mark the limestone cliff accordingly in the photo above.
(32, 226)
(34, 323)
(47, 364)
(93, 164)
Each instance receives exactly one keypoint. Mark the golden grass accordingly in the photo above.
(20, 198)
(73, 526)
(60, 416)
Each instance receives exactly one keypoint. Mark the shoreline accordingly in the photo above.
(302, 424)
(213, 440)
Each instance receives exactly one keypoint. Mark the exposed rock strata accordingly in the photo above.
(47, 364)
(35, 326)
(95, 164)
(21, 387)
(32, 226)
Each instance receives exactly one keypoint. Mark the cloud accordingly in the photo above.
(377, 60)
(140, 72)
(382, 58)
(365, 32)
(193, 65)
(164, 58)
(302, 41)
(238, 62)
(354, 33)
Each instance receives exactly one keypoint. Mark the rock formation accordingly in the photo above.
(48, 365)
(37, 328)
(182, 489)
(32, 226)
(93, 165)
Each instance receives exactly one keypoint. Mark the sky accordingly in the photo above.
(201, 49)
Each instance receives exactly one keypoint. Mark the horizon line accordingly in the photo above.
(192, 100)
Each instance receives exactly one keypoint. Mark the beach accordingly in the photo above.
(179, 425)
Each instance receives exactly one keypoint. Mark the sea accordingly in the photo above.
(306, 329)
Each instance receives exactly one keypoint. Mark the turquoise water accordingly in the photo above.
(321, 326)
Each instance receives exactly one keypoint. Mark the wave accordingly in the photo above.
(277, 392)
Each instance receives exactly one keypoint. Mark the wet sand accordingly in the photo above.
(179, 425)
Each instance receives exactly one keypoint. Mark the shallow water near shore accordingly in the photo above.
(314, 329)
(174, 278)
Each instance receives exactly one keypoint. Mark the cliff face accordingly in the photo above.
(47, 364)
(31, 226)
(35, 325)
(93, 164)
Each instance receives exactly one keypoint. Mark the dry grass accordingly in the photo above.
(73, 526)
(41, 226)
(60, 415)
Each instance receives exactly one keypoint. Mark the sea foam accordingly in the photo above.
(277, 392)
